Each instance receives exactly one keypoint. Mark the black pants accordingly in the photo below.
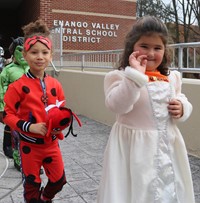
(7, 138)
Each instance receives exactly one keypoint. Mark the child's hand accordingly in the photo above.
(38, 128)
(138, 62)
(175, 108)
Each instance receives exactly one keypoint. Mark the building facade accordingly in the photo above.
(85, 25)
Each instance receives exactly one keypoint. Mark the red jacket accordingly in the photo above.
(23, 101)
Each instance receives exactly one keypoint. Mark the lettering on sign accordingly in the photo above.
(77, 31)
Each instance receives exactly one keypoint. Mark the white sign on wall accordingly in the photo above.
(84, 32)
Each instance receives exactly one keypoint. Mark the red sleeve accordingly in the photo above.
(61, 95)
(12, 101)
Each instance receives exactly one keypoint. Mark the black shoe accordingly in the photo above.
(43, 201)
(48, 201)
(8, 151)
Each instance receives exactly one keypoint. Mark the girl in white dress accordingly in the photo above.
(145, 160)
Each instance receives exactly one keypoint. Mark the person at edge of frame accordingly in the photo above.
(11, 72)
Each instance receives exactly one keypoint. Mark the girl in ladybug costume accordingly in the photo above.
(25, 103)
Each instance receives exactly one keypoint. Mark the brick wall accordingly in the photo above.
(45, 11)
(92, 24)
(88, 25)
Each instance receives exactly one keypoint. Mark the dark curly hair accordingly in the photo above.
(37, 28)
(145, 26)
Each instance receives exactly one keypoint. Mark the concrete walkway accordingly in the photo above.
(83, 164)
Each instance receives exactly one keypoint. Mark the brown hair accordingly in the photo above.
(146, 26)
(37, 28)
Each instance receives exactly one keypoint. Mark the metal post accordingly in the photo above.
(82, 61)
(180, 59)
(194, 57)
(61, 45)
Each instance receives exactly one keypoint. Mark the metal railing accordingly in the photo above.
(185, 58)
(95, 59)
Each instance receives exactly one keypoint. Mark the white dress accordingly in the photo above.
(145, 160)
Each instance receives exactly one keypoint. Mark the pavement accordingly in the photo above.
(83, 156)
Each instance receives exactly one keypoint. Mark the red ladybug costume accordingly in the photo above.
(25, 101)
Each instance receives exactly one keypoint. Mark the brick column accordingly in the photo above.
(46, 12)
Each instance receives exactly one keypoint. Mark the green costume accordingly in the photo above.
(10, 73)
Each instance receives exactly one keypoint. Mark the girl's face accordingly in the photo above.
(38, 58)
(154, 49)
